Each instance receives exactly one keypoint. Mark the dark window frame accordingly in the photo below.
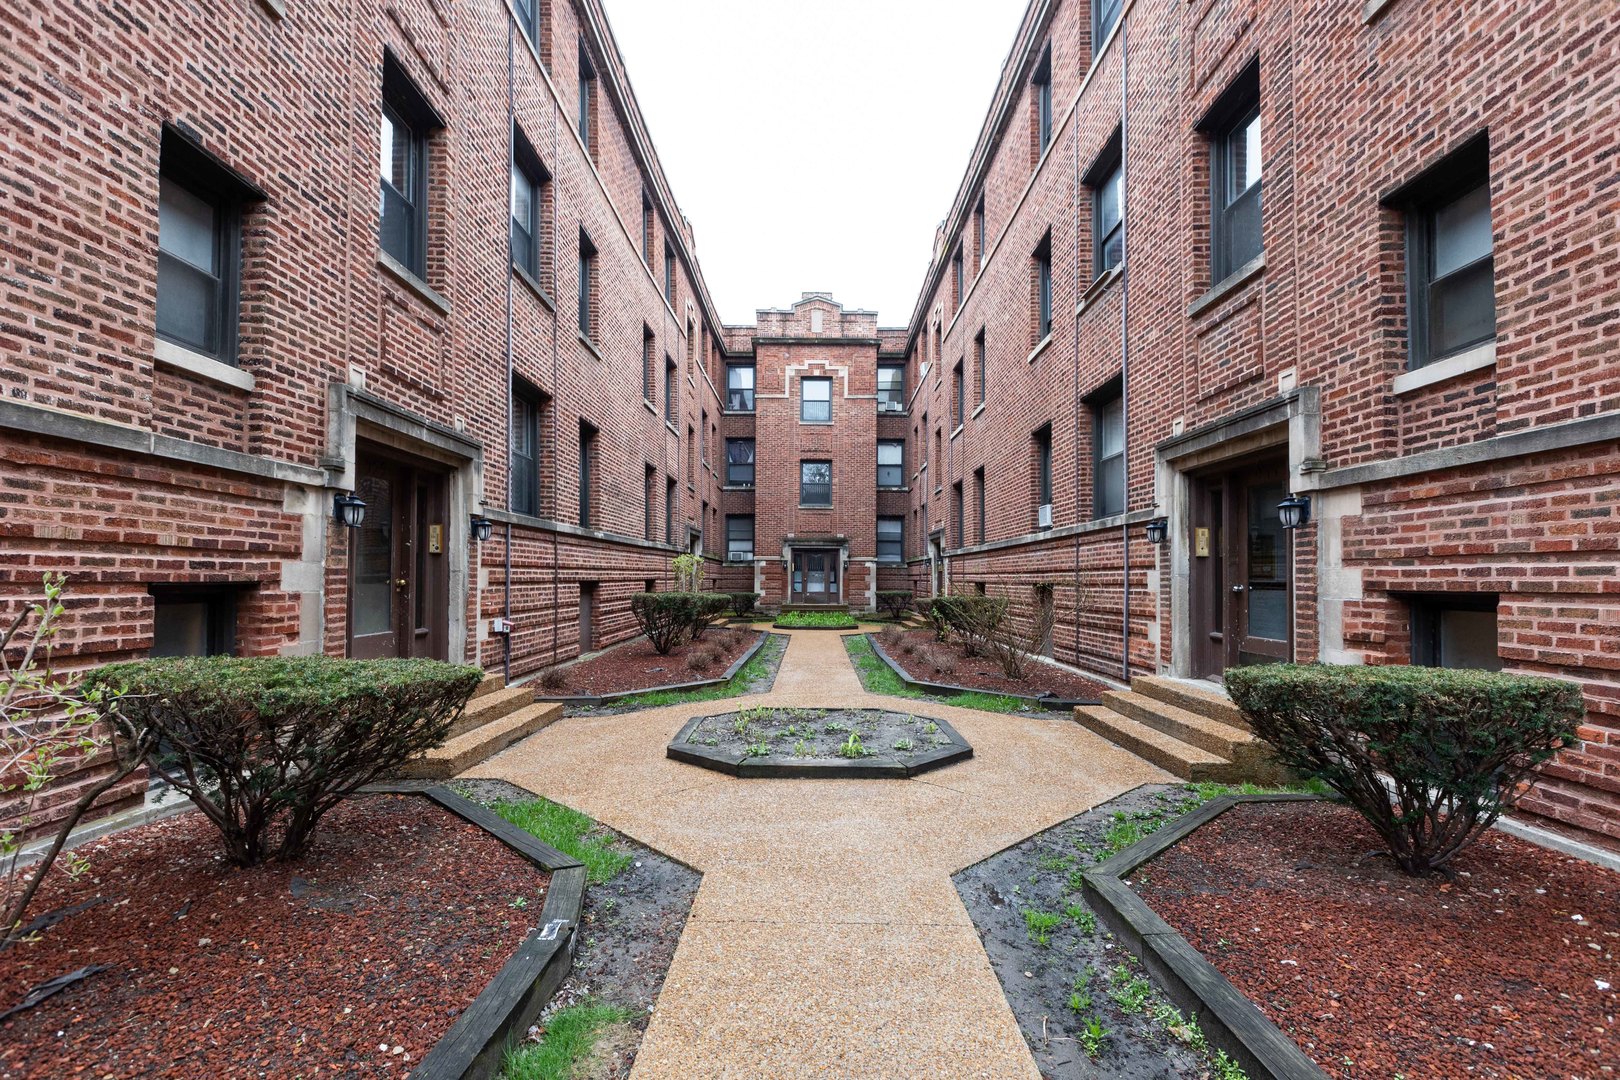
(523, 481)
(586, 288)
(528, 20)
(805, 402)
(1040, 86)
(1043, 465)
(747, 393)
(588, 435)
(1427, 612)
(1104, 14)
(672, 390)
(1043, 289)
(220, 602)
(958, 514)
(979, 501)
(672, 499)
(1101, 405)
(411, 112)
(898, 476)
(981, 357)
(808, 487)
(1231, 246)
(891, 550)
(896, 394)
(526, 161)
(734, 477)
(587, 91)
(733, 535)
(1107, 169)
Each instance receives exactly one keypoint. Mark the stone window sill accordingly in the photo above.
(179, 358)
(402, 274)
(1099, 287)
(534, 287)
(1228, 285)
(1475, 359)
(1044, 344)
(589, 345)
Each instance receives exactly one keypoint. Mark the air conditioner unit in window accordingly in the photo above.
(1043, 515)
(890, 406)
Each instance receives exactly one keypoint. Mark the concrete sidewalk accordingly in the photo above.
(827, 939)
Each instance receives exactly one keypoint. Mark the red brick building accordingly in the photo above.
(260, 256)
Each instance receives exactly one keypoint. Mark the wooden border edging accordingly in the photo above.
(781, 767)
(609, 699)
(950, 690)
(1229, 1020)
(475, 1046)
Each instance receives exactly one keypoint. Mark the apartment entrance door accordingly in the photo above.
(815, 576)
(1242, 586)
(399, 580)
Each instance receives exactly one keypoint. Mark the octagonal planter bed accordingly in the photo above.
(819, 743)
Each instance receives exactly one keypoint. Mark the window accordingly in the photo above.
(199, 249)
(1108, 450)
(815, 401)
(669, 274)
(646, 230)
(528, 177)
(1107, 210)
(939, 457)
(740, 387)
(740, 462)
(891, 463)
(407, 119)
(815, 483)
(891, 387)
(1040, 90)
(524, 483)
(978, 503)
(672, 389)
(958, 396)
(958, 273)
(1451, 266)
(1455, 631)
(979, 376)
(739, 537)
(1104, 14)
(189, 620)
(1043, 469)
(671, 500)
(587, 288)
(648, 494)
(691, 455)
(703, 436)
(587, 473)
(587, 103)
(1235, 158)
(978, 235)
(703, 526)
(1041, 287)
(528, 17)
(958, 516)
(649, 351)
(891, 539)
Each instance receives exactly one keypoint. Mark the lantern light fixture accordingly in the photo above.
(1294, 511)
(348, 509)
(482, 528)
(1158, 530)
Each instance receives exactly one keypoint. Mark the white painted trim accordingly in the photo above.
(1480, 356)
(179, 358)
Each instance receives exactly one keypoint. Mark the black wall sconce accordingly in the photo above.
(348, 509)
(1294, 511)
(482, 528)
(1158, 530)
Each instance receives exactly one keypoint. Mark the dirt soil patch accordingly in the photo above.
(352, 961)
(628, 930)
(949, 664)
(635, 665)
(1507, 970)
(1041, 875)
(845, 735)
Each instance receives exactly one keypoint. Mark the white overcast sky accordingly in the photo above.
(814, 145)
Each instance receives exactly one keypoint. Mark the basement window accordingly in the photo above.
(1455, 630)
(193, 620)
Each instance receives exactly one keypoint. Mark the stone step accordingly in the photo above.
(1167, 752)
(491, 683)
(1209, 702)
(485, 708)
(1189, 727)
(464, 751)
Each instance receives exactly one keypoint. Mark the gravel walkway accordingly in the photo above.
(827, 938)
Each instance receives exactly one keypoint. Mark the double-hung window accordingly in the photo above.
(407, 120)
(1233, 128)
(199, 249)
(586, 297)
(891, 387)
(740, 462)
(523, 495)
(1108, 455)
(739, 537)
(1041, 272)
(587, 103)
(815, 483)
(815, 401)
(1040, 88)
(528, 181)
(1451, 281)
(891, 539)
(891, 463)
(740, 387)
(1106, 180)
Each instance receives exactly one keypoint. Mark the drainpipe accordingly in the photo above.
(506, 584)
(1124, 367)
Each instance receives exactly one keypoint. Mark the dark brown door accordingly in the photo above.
(1242, 593)
(815, 577)
(398, 573)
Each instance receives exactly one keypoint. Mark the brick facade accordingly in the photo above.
(137, 467)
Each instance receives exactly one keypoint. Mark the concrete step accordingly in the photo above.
(1216, 736)
(492, 706)
(464, 751)
(1210, 702)
(492, 682)
(1167, 752)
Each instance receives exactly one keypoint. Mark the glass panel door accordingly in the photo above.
(1265, 608)
(373, 563)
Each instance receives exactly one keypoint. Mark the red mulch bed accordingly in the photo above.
(392, 923)
(983, 673)
(1376, 974)
(634, 665)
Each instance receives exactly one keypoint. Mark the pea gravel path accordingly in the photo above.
(827, 939)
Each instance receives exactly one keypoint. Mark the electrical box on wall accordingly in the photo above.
(500, 626)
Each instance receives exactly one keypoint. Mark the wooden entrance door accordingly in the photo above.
(815, 576)
(399, 581)
(1242, 587)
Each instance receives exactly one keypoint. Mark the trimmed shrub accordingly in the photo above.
(894, 602)
(270, 744)
(664, 618)
(973, 617)
(709, 606)
(1430, 756)
(742, 603)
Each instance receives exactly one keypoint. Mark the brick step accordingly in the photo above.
(1167, 752)
(492, 682)
(1211, 703)
(464, 751)
(488, 707)
(1216, 736)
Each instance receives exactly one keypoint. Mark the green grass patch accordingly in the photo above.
(815, 620)
(570, 832)
(570, 1035)
(1040, 924)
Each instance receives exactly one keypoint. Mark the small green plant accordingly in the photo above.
(1079, 1002)
(1055, 862)
(570, 832)
(1130, 992)
(930, 728)
(836, 728)
(1092, 1036)
(852, 747)
(1040, 924)
(566, 1042)
(1082, 917)
(903, 745)
(1076, 880)
(757, 749)
(802, 749)
(815, 620)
